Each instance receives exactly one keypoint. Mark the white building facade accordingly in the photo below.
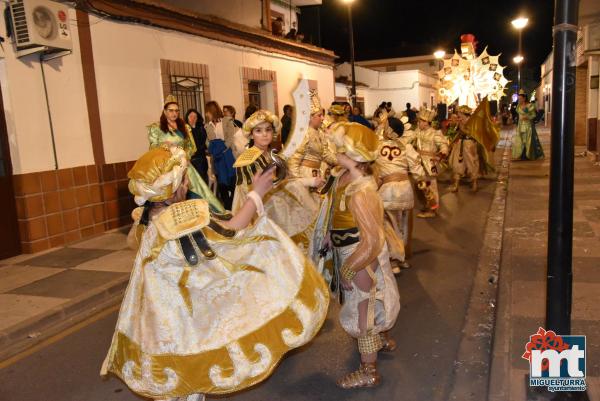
(406, 85)
(72, 133)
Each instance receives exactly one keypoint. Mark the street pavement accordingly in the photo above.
(434, 296)
(522, 291)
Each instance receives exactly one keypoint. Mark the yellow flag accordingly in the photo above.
(481, 127)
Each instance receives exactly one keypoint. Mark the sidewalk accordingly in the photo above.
(522, 281)
(42, 294)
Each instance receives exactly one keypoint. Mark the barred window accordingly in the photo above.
(254, 93)
(189, 92)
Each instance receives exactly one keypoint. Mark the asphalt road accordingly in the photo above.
(434, 295)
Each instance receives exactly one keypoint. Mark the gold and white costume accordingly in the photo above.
(353, 215)
(464, 157)
(394, 165)
(217, 319)
(290, 204)
(428, 143)
(308, 159)
(364, 210)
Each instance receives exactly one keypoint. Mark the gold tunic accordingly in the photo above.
(428, 143)
(393, 165)
(307, 160)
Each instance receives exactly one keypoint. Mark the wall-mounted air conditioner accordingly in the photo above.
(591, 38)
(40, 26)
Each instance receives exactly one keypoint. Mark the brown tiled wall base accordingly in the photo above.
(581, 106)
(61, 206)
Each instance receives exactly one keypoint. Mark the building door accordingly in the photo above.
(9, 234)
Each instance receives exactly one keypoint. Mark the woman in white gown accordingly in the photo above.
(211, 306)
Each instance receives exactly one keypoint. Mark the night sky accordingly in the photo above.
(399, 28)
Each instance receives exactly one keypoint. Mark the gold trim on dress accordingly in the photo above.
(226, 369)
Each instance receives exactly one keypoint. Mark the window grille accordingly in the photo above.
(189, 92)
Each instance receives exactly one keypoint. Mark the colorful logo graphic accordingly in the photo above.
(556, 362)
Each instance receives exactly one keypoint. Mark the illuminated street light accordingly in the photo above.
(439, 54)
(348, 1)
(520, 22)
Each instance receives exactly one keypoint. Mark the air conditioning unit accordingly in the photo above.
(40, 26)
(591, 38)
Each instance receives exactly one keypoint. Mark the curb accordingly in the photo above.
(36, 329)
(473, 359)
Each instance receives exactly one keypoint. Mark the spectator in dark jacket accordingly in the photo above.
(357, 117)
(199, 161)
(286, 123)
(411, 114)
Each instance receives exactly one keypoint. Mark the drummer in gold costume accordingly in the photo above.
(209, 308)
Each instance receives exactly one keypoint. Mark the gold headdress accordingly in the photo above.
(465, 110)
(337, 110)
(156, 175)
(169, 99)
(522, 92)
(315, 102)
(327, 121)
(358, 142)
(426, 115)
(258, 117)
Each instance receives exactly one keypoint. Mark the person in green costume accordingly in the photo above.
(172, 130)
(526, 144)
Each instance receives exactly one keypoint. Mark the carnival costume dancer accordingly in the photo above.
(526, 144)
(395, 162)
(464, 157)
(290, 204)
(171, 130)
(307, 160)
(338, 113)
(432, 145)
(354, 222)
(212, 305)
(476, 139)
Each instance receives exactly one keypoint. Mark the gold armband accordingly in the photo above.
(347, 273)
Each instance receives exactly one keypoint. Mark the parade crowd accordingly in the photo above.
(239, 250)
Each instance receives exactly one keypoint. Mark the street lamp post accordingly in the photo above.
(560, 216)
(519, 24)
(351, 32)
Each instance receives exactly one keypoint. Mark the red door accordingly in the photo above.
(9, 228)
